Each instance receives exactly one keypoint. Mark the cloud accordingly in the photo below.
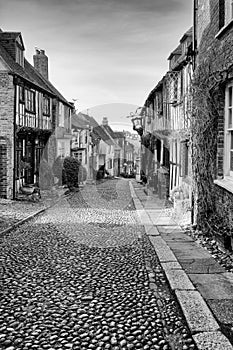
(101, 49)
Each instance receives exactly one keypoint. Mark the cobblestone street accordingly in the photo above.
(83, 275)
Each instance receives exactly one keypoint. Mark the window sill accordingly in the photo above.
(226, 183)
(224, 29)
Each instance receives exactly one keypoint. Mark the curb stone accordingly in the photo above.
(201, 322)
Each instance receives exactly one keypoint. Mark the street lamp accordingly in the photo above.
(137, 120)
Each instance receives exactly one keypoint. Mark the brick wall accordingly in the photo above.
(3, 168)
(6, 133)
(203, 18)
(217, 50)
(224, 211)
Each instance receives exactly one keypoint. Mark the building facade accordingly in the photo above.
(212, 125)
(166, 155)
(28, 116)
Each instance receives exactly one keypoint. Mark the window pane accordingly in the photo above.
(230, 96)
(231, 161)
(229, 118)
(232, 141)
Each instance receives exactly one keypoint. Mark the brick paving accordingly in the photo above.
(83, 275)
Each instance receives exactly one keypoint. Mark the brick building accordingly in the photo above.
(34, 117)
(213, 129)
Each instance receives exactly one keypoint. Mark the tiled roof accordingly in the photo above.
(189, 33)
(48, 85)
(82, 120)
(109, 130)
(28, 72)
(177, 51)
(119, 134)
(79, 121)
(99, 131)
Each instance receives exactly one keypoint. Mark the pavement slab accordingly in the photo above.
(162, 220)
(196, 311)
(222, 309)
(207, 265)
(212, 341)
(213, 286)
(167, 229)
(188, 250)
(175, 236)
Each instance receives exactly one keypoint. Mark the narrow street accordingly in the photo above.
(79, 277)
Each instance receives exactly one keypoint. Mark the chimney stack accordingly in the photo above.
(105, 121)
(41, 63)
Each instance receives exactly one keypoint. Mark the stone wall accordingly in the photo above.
(6, 134)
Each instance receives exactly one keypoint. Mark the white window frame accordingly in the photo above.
(61, 149)
(228, 149)
(228, 11)
(61, 115)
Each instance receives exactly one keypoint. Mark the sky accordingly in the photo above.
(106, 55)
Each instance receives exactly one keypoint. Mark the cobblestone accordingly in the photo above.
(79, 275)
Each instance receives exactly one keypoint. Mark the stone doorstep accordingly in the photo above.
(212, 341)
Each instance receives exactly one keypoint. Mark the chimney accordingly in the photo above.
(41, 63)
(105, 121)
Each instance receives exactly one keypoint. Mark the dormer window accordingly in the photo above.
(19, 57)
(19, 51)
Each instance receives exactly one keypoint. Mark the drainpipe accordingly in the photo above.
(14, 140)
(195, 8)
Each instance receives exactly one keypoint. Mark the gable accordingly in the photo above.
(3, 65)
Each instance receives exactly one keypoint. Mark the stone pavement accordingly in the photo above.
(83, 275)
(15, 212)
(203, 288)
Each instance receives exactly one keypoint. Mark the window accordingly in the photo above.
(30, 100)
(225, 12)
(19, 57)
(61, 117)
(229, 130)
(61, 149)
(21, 94)
(228, 11)
(184, 158)
(78, 156)
(46, 105)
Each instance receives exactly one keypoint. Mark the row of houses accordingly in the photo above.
(186, 122)
(38, 125)
(99, 147)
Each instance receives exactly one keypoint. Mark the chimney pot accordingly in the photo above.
(105, 121)
(41, 62)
